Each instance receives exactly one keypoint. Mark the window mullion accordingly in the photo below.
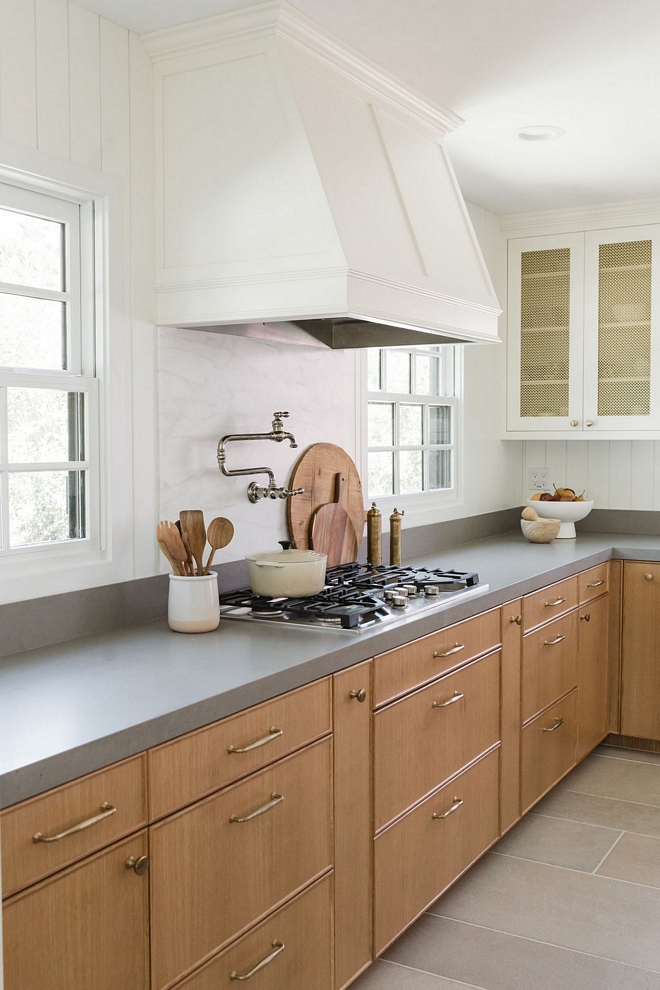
(4, 476)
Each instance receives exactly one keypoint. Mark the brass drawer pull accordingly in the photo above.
(648, 577)
(456, 648)
(140, 865)
(552, 604)
(553, 642)
(273, 733)
(595, 584)
(558, 722)
(455, 806)
(452, 701)
(517, 619)
(278, 946)
(360, 695)
(586, 617)
(106, 811)
(275, 799)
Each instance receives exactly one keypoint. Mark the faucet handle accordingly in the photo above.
(281, 415)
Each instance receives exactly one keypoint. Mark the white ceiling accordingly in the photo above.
(589, 66)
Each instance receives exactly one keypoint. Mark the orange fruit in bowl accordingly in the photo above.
(536, 497)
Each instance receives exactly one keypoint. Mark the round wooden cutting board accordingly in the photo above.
(316, 472)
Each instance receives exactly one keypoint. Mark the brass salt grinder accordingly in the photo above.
(374, 536)
(395, 537)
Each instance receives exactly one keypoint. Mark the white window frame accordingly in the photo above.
(105, 555)
(421, 507)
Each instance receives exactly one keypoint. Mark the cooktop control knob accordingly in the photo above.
(411, 590)
(430, 589)
(399, 601)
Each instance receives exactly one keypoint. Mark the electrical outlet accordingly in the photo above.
(538, 479)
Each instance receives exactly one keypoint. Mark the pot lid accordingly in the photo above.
(289, 556)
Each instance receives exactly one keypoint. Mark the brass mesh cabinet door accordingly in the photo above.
(621, 359)
(545, 328)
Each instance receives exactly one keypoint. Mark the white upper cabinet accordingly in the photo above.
(584, 334)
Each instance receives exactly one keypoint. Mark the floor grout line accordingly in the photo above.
(553, 945)
(628, 759)
(617, 840)
(426, 972)
(569, 869)
(536, 814)
(607, 797)
(579, 821)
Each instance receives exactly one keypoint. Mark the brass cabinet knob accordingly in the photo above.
(589, 422)
(140, 865)
(574, 422)
(517, 619)
(648, 577)
(587, 617)
(360, 695)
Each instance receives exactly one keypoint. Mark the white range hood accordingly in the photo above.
(303, 190)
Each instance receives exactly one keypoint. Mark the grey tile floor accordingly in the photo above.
(569, 899)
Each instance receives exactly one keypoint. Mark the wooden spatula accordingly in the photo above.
(332, 531)
(193, 531)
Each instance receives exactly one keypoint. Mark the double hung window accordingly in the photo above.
(411, 420)
(49, 405)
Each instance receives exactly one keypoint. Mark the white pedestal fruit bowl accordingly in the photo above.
(568, 512)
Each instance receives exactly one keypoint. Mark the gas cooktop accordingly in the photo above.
(357, 597)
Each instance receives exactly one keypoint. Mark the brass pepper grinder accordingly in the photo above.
(374, 537)
(395, 537)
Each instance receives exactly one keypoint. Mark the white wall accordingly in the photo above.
(78, 87)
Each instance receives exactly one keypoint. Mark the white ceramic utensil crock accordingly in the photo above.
(287, 573)
(193, 605)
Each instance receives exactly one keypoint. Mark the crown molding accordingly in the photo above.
(645, 210)
(277, 18)
(233, 27)
(304, 34)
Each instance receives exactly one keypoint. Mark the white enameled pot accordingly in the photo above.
(192, 605)
(287, 573)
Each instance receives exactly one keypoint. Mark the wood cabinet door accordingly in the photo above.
(640, 697)
(84, 929)
(547, 749)
(419, 856)
(593, 641)
(353, 822)
(549, 664)
(224, 863)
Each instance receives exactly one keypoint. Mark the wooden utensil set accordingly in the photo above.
(184, 542)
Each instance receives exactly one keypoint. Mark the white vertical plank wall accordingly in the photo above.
(617, 474)
(79, 87)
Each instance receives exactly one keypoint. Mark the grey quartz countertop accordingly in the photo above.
(69, 709)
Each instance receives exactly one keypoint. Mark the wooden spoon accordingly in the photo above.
(193, 531)
(219, 534)
(168, 534)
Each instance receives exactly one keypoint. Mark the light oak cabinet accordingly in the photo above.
(85, 927)
(640, 685)
(583, 332)
(366, 795)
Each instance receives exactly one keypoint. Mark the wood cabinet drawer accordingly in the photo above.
(297, 939)
(548, 749)
(212, 876)
(419, 856)
(550, 602)
(188, 768)
(594, 582)
(549, 664)
(54, 816)
(417, 663)
(85, 928)
(429, 735)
